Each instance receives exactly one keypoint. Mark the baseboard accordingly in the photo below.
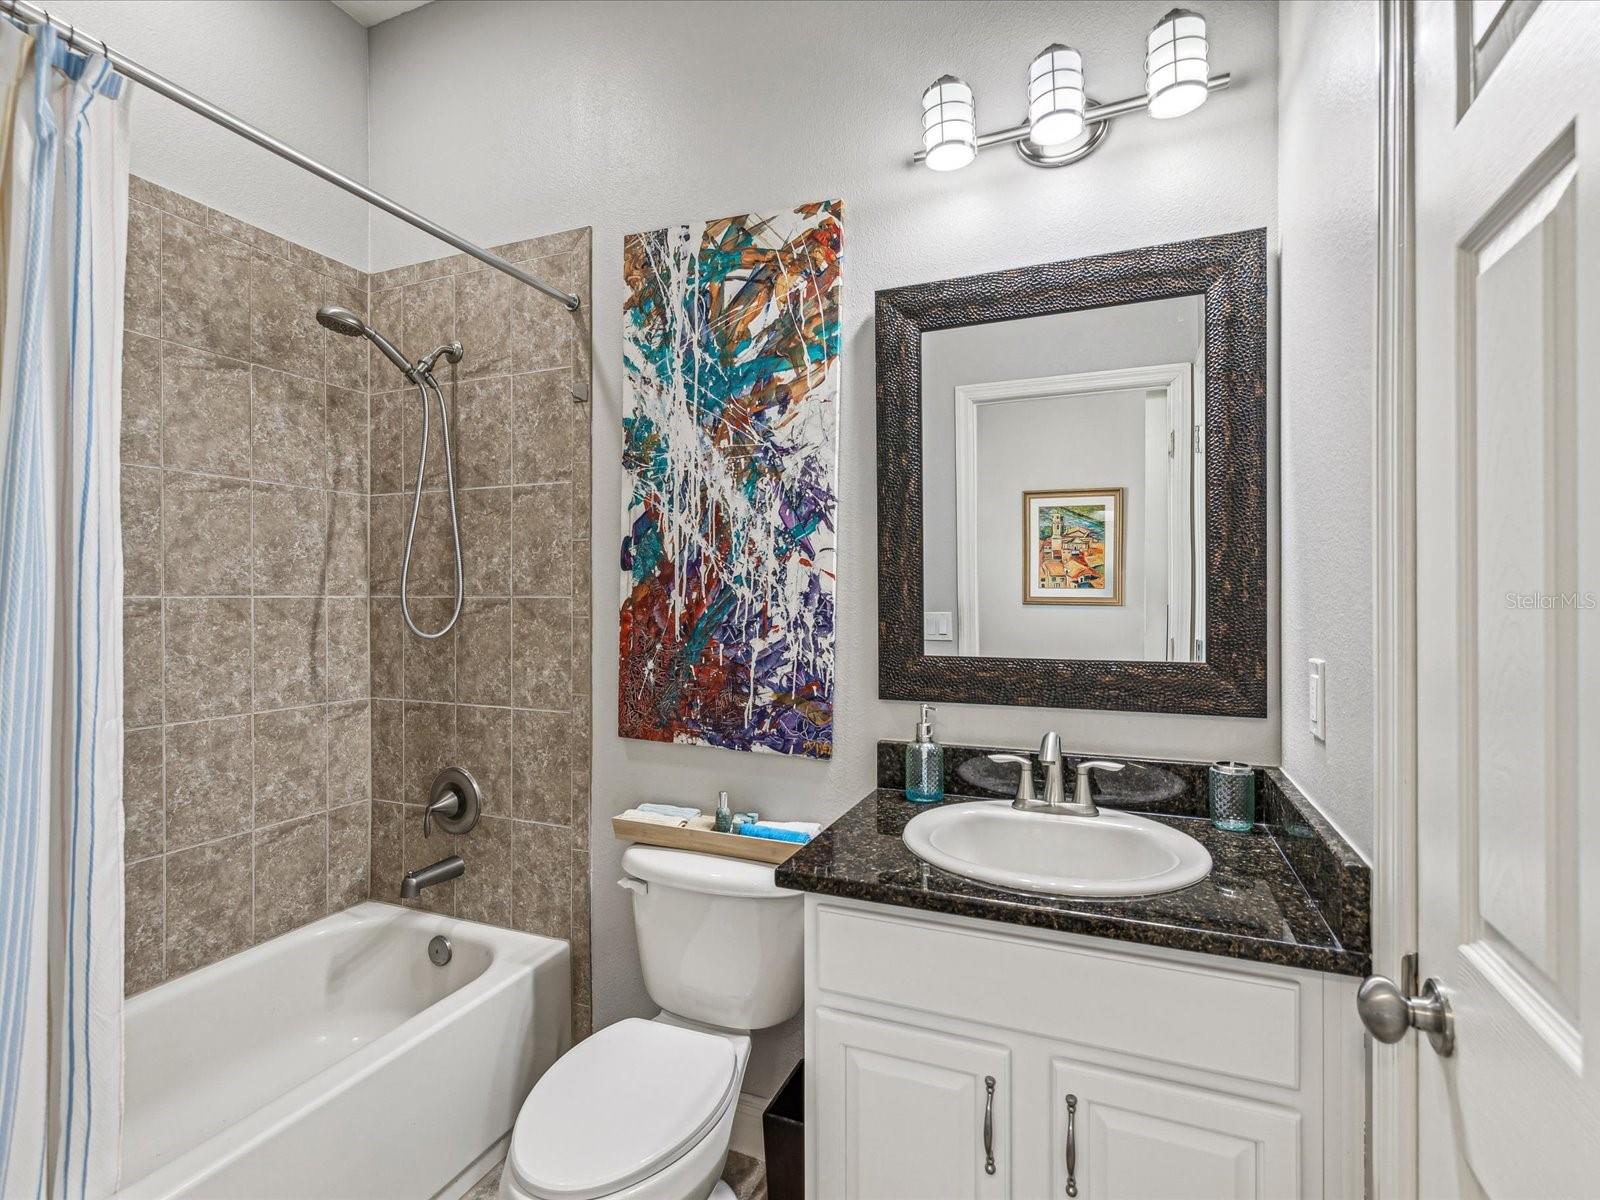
(747, 1126)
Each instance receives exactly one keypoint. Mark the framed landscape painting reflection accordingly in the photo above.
(1072, 546)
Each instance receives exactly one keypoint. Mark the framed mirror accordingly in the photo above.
(1072, 492)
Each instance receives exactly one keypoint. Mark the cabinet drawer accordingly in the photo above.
(1217, 1020)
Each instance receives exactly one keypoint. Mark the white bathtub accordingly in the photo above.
(338, 1063)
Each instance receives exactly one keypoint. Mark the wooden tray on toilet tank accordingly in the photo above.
(704, 841)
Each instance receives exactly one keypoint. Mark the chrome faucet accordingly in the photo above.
(1054, 763)
(1082, 795)
(432, 875)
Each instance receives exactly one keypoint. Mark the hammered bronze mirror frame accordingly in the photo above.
(1230, 271)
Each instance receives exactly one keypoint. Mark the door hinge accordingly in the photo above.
(1172, 443)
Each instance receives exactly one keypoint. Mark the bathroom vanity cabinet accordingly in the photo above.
(952, 1057)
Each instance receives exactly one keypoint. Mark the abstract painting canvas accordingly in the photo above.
(1072, 547)
(731, 389)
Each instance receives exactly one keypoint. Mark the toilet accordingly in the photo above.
(643, 1110)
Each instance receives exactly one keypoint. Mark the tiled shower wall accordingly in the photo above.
(244, 485)
(505, 694)
(261, 781)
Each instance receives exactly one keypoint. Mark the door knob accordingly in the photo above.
(1388, 1011)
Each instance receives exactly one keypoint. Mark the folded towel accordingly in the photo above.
(809, 828)
(704, 821)
(651, 818)
(761, 829)
(679, 811)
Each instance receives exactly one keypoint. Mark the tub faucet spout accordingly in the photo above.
(442, 871)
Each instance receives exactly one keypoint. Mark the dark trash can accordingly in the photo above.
(783, 1131)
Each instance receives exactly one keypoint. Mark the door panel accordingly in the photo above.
(911, 1111)
(1508, 568)
(1146, 1139)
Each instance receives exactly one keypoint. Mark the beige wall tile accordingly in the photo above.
(430, 316)
(430, 747)
(543, 426)
(205, 525)
(542, 531)
(541, 644)
(386, 445)
(349, 855)
(208, 903)
(205, 412)
(205, 289)
(482, 431)
(433, 553)
(141, 531)
(486, 541)
(349, 672)
(387, 852)
(346, 467)
(290, 662)
(207, 780)
(389, 635)
(346, 551)
(141, 663)
(291, 875)
(491, 308)
(541, 880)
(349, 754)
(144, 925)
(430, 667)
(389, 515)
(142, 287)
(483, 747)
(291, 764)
(484, 892)
(207, 659)
(288, 428)
(542, 767)
(143, 802)
(345, 358)
(141, 399)
(388, 751)
(290, 532)
(483, 652)
(283, 317)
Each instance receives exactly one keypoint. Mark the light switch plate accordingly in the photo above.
(938, 627)
(1317, 678)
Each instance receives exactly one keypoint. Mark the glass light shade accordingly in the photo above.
(1055, 96)
(1176, 65)
(949, 124)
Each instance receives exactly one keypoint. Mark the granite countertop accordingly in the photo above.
(1252, 906)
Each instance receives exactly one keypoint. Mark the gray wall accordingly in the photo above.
(555, 121)
(1327, 192)
(298, 70)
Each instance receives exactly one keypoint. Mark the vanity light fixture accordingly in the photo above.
(1176, 78)
(1063, 126)
(949, 125)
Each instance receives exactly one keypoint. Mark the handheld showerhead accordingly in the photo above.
(343, 321)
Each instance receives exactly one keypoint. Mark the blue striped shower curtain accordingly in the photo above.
(63, 243)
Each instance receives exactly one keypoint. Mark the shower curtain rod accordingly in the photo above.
(34, 15)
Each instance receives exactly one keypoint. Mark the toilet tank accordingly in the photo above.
(719, 941)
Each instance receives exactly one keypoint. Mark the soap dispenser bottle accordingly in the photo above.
(925, 764)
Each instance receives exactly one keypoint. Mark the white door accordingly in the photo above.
(1120, 1136)
(916, 1115)
(1508, 534)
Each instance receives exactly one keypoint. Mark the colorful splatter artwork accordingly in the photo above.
(731, 375)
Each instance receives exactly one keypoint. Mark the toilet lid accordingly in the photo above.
(620, 1106)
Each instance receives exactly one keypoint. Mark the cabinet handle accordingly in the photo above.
(988, 1125)
(1072, 1145)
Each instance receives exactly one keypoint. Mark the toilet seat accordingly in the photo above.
(619, 1107)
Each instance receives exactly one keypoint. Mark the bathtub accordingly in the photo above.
(337, 1062)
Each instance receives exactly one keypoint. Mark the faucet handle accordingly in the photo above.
(1082, 793)
(1025, 779)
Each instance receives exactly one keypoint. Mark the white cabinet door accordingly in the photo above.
(1129, 1137)
(906, 1114)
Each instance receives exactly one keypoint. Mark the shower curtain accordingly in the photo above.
(64, 201)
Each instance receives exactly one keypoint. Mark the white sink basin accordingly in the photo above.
(1113, 854)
